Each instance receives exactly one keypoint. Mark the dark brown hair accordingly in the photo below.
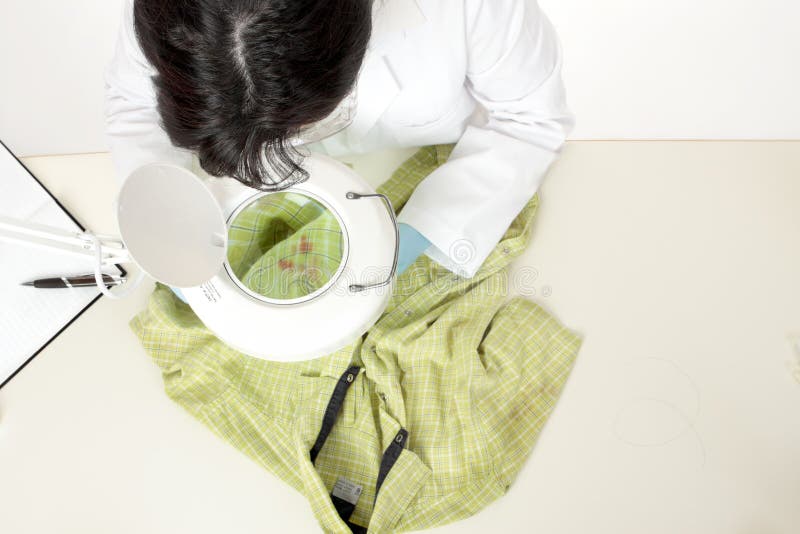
(236, 79)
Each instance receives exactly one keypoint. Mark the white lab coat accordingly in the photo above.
(484, 74)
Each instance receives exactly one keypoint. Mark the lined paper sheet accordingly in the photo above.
(30, 317)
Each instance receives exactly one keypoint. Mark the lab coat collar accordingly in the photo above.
(389, 16)
(377, 84)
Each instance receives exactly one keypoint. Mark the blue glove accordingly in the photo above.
(178, 293)
(412, 245)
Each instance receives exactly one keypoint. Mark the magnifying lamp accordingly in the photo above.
(285, 275)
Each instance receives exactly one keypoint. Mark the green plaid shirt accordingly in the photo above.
(285, 245)
(462, 376)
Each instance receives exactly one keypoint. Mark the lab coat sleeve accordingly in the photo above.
(133, 127)
(514, 71)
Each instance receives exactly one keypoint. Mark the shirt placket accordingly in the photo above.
(400, 476)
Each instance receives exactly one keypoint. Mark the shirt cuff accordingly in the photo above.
(447, 247)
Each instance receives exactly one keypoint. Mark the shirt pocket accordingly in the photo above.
(314, 393)
(430, 88)
(423, 110)
(445, 125)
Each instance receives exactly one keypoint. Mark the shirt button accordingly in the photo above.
(506, 250)
(408, 313)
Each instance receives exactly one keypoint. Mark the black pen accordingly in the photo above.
(74, 281)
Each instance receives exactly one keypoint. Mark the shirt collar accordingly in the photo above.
(398, 490)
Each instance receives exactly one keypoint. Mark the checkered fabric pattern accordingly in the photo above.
(471, 375)
(285, 245)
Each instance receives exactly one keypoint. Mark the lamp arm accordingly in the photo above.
(104, 249)
(52, 237)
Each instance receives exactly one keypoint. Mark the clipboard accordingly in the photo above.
(38, 315)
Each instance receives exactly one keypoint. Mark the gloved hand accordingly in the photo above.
(412, 245)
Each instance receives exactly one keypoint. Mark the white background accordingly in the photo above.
(635, 69)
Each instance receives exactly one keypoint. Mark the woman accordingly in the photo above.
(236, 82)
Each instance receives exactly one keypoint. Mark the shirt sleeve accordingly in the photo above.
(133, 127)
(514, 71)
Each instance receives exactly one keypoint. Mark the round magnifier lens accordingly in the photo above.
(285, 247)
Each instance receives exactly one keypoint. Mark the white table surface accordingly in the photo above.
(678, 261)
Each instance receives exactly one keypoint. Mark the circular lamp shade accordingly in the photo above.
(306, 271)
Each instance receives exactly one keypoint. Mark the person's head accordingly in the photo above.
(237, 79)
